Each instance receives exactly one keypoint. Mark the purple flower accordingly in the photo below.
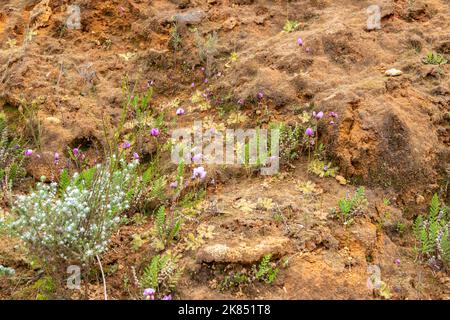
(197, 157)
(203, 68)
(312, 142)
(397, 262)
(149, 292)
(168, 297)
(241, 101)
(309, 132)
(174, 185)
(300, 41)
(28, 152)
(76, 152)
(331, 123)
(180, 111)
(126, 145)
(318, 115)
(192, 84)
(308, 50)
(135, 156)
(56, 157)
(333, 114)
(206, 80)
(260, 95)
(199, 173)
(154, 132)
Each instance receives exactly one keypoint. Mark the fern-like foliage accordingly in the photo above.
(165, 231)
(432, 233)
(351, 207)
(266, 271)
(162, 274)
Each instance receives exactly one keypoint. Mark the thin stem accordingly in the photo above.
(103, 277)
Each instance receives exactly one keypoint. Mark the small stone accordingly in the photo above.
(341, 180)
(420, 199)
(393, 72)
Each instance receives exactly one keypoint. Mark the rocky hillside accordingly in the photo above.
(244, 63)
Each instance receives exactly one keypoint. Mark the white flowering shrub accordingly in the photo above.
(75, 219)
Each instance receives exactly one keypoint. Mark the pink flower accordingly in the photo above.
(397, 262)
(333, 114)
(309, 132)
(126, 145)
(199, 173)
(174, 185)
(180, 111)
(28, 152)
(300, 41)
(260, 95)
(154, 132)
(76, 151)
(168, 297)
(318, 115)
(135, 156)
(197, 157)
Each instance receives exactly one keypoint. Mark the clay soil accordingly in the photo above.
(391, 135)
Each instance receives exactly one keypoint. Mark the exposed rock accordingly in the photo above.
(393, 72)
(243, 253)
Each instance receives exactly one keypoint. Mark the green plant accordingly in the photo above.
(74, 220)
(162, 274)
(207, 48)
(351, 207)
(11, 160)
(165, 230)
(290, 26)
(33, 125)
(432, 233)
(175, 37)
(234, 280)
(290, 142)
(434, 58)
(321, 168)
(266, 271)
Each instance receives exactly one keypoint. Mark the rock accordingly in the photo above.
(420, 199)
(341, 180)
(393, 72)
(242, 252)
(40, 15)
(190, 17)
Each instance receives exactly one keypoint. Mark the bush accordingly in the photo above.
(432, 233)
(74, 221)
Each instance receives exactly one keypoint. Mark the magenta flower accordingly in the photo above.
(56, 157)
(260, 95)
(197, 157)
(154, 132)
(241, 101)
(76, 151)
(397, 262)
(167, 297)
(180, 111)
(203, 68)
(333, 114)
(300, 41)
(206, 80)
(149, 293)
(199, 173)
(192, 84)
(28, 152)
(308, 50)
(332, 123)
(135, 156)
(126, 145)
(318, 115)
(309, 132)
(174, 185)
